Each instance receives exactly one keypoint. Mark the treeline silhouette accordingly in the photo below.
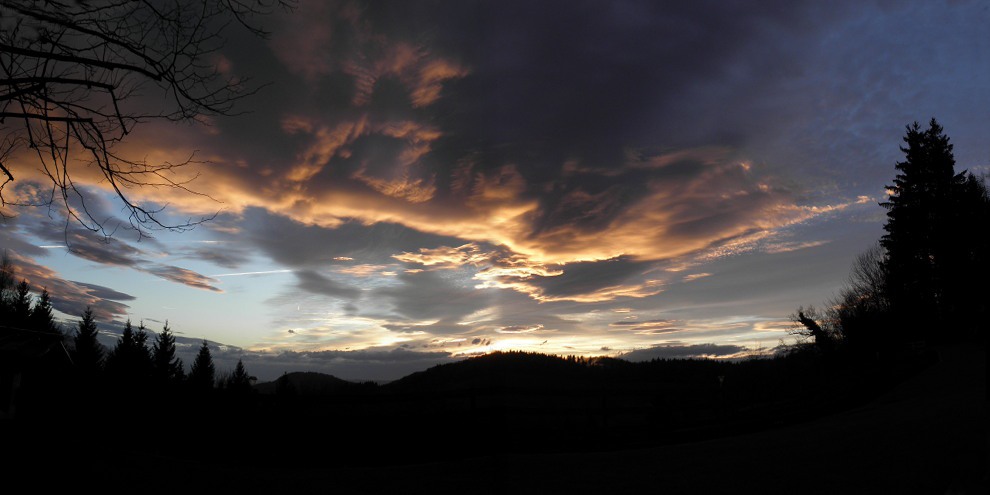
(923, 285)
(925, 282)
(514, 401)
(45, 371)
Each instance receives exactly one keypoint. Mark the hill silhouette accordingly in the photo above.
(306, 383)
(925, 434)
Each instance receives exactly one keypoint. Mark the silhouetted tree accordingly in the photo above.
(931, 214)
(809, 323)
(141, 339)
(203, 371)
(20, 305)
(42, 317)
(6, 287)
(967, 268)
(861, 311)
(129, 361)
(165, 367)
(239, 381)
(87, 356)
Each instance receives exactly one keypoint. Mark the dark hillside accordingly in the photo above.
(306, 383)
(925, 434)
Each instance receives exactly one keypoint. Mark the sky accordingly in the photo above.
(418, 182)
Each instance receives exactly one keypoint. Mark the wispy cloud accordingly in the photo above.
(243, 274)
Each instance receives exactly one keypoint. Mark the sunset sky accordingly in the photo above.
(422, 181)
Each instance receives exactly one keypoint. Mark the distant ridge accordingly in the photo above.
(305, 383)
(511, 369)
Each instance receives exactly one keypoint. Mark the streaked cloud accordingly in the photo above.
(680, 351)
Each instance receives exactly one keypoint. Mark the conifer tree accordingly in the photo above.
(203, 371)
(129, 361)
(6, 287)
(141, 341)
(88, 353)
(239, 381)
(931, 216)
(165, 367)
(42, 317)
(20, 305)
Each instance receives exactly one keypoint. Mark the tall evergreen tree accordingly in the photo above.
(6, 287)
(129, 361)
(20, 305)
(203, 371)
(967, 299)
(141, 341)
(42, 317)
(88, 352)
(927, 233)
(165, 367)
(239, 381)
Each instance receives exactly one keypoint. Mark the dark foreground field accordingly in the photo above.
(927, 435)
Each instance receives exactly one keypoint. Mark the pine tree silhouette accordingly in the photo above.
(165, 367)
(42, 318)
(88, 353)
(203, 372)
(930, 250)
(129, 362)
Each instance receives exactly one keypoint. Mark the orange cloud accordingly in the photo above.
(447, 257)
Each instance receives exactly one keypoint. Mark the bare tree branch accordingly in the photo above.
(69, 76)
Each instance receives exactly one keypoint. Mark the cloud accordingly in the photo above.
(222, 254)
(430, 295)
(102, 292)
(89, 246)
(676, 351)
(587, 281)
(69, 297)
(317, 283)
(520, 328)
(114, 250)
(649, 327)
(374, 355)
(447, 257)
(184, 276)
(521, 165)
(309, 246)
(382, 363)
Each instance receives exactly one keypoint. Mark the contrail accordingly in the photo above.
(249, 273)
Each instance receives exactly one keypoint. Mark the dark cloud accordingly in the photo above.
(380, 364)
(10, 240)
(426, 295)
(68, 297)
(184, 276)
(395, 355)
(586, 281)
(298, 245)
(114, 250)
(520, 328)
(316, 283)
(105, 292)
(220, 254)
(551, 83)
(96, 248)
(648, 327)
(590, 276)
(674, 351)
